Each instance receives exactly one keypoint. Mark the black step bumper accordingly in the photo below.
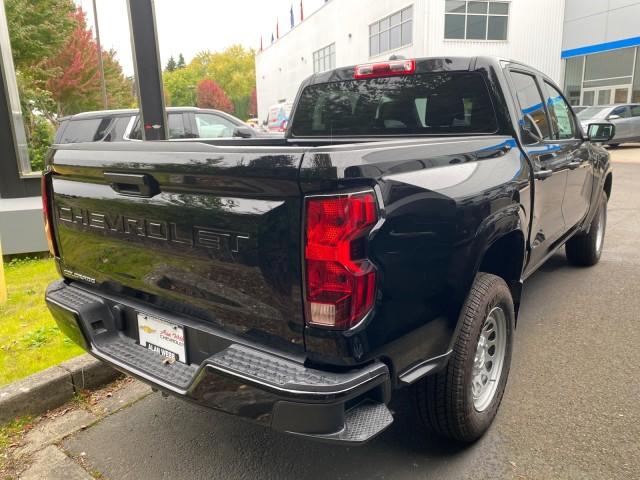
(238, 378)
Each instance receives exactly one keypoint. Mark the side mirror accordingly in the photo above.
(601, 132)
(243, 132)
(613, 117)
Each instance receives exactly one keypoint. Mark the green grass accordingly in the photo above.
(29, 337)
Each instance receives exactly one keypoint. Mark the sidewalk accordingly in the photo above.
(39, 453)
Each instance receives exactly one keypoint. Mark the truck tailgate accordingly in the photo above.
(208, 232)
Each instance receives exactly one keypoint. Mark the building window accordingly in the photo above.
(471, 20)
(324, 59)
(391, 32)
(603, 78)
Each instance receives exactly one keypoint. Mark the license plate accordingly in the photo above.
(162, 337)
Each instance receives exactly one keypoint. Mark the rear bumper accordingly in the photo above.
(236, 378)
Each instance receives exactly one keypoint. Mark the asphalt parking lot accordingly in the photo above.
(571, 410)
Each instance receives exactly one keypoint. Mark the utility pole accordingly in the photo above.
(148, 70)
(100, 62)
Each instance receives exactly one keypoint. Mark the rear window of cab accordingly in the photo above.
(420, 104)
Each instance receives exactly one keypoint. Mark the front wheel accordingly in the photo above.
(461, 401)
(585, 249)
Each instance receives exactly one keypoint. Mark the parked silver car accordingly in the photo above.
(625, 117)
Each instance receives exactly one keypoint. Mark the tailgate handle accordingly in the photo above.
(133, 184)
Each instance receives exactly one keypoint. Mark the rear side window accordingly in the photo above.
(622, 112)
(176, 126)
(60, 131)
(635, 110)
(213, 126)
(85, 130)
(117, 130)
(422, 104)
(531, 105)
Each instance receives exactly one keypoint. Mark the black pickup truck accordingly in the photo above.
(299, 282)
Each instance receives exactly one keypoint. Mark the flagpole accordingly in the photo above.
(100, 62)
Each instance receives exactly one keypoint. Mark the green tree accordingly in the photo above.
(233, 69)
(40, 140)
(181, 63)
(38, 29)
(171, 64)
(181, 87)
(119, 87)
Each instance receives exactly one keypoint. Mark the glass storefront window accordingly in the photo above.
(610, 65)
(635, 92)
(573, 79)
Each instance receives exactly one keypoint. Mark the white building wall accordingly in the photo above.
(534, 37)
(593, 22)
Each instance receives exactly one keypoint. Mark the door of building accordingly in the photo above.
(606, 95)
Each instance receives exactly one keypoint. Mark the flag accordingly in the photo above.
(301, 12)
(277, 28)
(292, 20)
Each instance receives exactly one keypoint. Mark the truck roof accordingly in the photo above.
(431, 64)
(135, 111)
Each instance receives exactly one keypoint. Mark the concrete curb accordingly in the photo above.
(53, 387)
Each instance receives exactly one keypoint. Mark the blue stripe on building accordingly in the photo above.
(601, 47)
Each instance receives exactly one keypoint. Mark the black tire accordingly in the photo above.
(585, 249)
(445, 401)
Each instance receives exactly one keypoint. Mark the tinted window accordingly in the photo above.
(435, 103)
(87, 130)
(623, 112)
(176, 128)
(593, 112)
(560, 113)
(60, 131)
(534, 117)
(635, 111)
(116, 132)
(213, 126)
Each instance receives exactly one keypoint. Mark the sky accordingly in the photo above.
(191, 26)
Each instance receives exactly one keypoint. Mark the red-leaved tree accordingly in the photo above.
(210, 95)
(253, 103)
(77, 85)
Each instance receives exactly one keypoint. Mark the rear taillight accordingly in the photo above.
(385, 69)
(340, 281)
(48, 219)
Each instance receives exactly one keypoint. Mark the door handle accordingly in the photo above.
(137, 185)
(575, 164)
(542, 174)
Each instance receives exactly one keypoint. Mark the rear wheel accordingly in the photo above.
(585, 249)
(461, 401)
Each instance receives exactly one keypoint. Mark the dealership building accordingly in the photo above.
(589, 47)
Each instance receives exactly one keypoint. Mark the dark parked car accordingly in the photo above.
(626, 118)
(300, 282)
(120, 125)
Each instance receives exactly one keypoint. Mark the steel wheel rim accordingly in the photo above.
(489, 359)
(600, 231)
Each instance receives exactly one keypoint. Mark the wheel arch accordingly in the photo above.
(505, 257)
(608, 184)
